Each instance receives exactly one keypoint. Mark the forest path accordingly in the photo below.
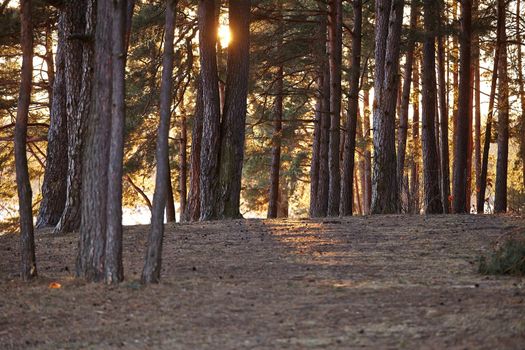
(361, 282)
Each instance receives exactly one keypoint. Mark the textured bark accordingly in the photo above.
(183, 167)
(414, 168)
(405, 100)
(367, 186)
(335, 42)
(316, 143)
(193, 208)
(488, 130)
(114, 272)
(432, 195)
(477, 110)
(459, 201)
(235, 105)
(273, 202)
(79, 19)
(389, 16)
(92, 245)
(443, 114)
(153, 261)
(500, 198)
(521, 85)
(27, 242)
(210, 146)
(353, 107)
(55, 176)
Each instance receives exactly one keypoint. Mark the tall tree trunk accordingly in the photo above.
(367, 186)
(389, 17)
(414, 168)
(273, 203)
(316, 143)
(114, 271)
(193, 207)
(353, 107)
(477, 111)
(432, 193)
(500, 199)
(80, 24)
(55, 175)
(235, 105)
(459, 201)
(153, 261)
(443, 113)
(183, 163)
(212, 112)
(488, 130)
(27, 242)
(335, 42)
(405, 99)
(521, 84)
(93, 227)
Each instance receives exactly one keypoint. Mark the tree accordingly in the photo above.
(27, 241)
(389, 16)
(210, 146)
(500, 200)
(353, 106)
(235, 105)
(273, 204)
(432, 197)
(153, 261)
(459, 201)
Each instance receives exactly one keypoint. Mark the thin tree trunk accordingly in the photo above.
(367, 187)
(477, 112)
(316, 143)
(443, 113)
(54, 186)
(500, 199)
(461, 145)
(212, 110)
(335, 42)
(521, 85)
(183, 163)
(414, 170)
(153, 261)
(273, 203)
(170, 198)
(114, 271)
(405, 99)
(27, 242)
(353, 108)
(389, 17)
(235, 106)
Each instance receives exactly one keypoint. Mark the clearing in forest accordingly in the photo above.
(360, 282)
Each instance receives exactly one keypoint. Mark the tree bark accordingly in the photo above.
(316, 143)
(273, 203)
(432, 193)
(183, 164)
(54, 186)
(367, 186)
(153, 261)
(335, 42)
(521, 85)
(211, 114)
(389, 16)
(459, 201)
(443, 113)
(27, 242)
(353, 107)
(414, 169)
(235, 105)
(500, 199)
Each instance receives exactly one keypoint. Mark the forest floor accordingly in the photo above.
(363, 282)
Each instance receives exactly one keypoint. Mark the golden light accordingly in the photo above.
(224, 35)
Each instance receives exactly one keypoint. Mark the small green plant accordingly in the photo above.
(508, 258)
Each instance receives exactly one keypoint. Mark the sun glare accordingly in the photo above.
(224, 34)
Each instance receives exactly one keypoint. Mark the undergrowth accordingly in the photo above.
(508, 258)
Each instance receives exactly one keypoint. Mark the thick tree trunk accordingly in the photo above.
(500, 199)
(153, 261)
(405, 100)
(27, 241)
(443, 113)
(55, 176)
(459, 202)
(93, 227)
(488, 131)
(193, 208)
(432, 195)
(353, 107)
(80, 20)
(273, 202)
(114, 271)
(235, 105)
(335, 42)
(389, 16)
(212, 112)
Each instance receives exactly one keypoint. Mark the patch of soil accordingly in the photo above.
(361, 282)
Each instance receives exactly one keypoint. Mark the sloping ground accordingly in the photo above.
(364, 282)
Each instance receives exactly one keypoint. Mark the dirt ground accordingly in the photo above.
(407, 282)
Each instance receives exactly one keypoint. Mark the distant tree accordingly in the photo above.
(273, 204)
